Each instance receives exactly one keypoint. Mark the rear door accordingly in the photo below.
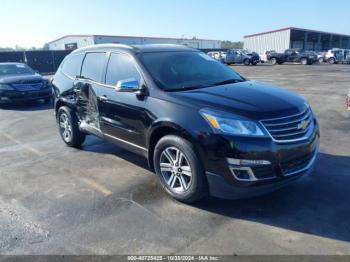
(88, 88)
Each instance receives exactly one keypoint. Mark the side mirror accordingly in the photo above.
(128, 85)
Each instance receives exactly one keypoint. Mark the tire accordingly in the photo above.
(68, 127)
(254, 63)
(304, 61)
(331, 60)
(246, 62)
(273, 61)
(185, 185)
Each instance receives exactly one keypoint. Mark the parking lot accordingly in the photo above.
(104, 200)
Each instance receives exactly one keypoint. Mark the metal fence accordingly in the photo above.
(46, 62)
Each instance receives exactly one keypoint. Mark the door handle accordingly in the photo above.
(103, 98)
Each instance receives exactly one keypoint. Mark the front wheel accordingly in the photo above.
(331, 60)
(304, 61)
(180, 169)
(246, 62)
(68, 127)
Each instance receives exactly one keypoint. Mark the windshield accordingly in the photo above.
(186, 70)
(15, 69)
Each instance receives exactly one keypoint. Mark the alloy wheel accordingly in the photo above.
(65, 127)
(175, 169)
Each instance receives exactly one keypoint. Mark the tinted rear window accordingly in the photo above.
(93, 66)
(72, 65)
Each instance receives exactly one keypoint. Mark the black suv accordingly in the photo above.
(294, 56)
(202, 126)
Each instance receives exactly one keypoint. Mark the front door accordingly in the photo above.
(123, 115)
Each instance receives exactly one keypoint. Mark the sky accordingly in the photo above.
(29, 23)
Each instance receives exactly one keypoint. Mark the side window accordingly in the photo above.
(72, 65)
(93, 66)
(120, 67)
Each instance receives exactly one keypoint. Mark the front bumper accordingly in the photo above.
(8, 97)
(220, 188)
(273, 164)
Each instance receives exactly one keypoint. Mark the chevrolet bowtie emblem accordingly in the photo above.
(303, 125)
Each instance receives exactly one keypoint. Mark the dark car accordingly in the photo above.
(293, 56)
(19, 83)
(202, 126)
(235, 56)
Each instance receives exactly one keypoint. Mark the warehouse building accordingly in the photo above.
(71, 42)
(291, 37)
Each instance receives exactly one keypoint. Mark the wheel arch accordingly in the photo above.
(62, 102)
(162, 129)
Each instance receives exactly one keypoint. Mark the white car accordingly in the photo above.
(334, 56)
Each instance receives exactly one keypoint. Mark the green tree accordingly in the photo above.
(230, 44)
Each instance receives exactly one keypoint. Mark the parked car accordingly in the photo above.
(347, 56)
(265, 57)
(218, 55)
(214, 54)
(294, 56)
(203, 128)
(321, 57)
(335, 56)
(235, 56)
(19, 83)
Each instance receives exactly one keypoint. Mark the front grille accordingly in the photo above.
(290, 128)
(28, 87)
(297, 164)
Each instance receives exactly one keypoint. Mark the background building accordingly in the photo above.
(70, 42)
(291, 37)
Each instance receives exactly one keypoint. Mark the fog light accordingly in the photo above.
(246, 162)
(243, 174)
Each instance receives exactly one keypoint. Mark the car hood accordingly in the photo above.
(22, 79)
(249, 99)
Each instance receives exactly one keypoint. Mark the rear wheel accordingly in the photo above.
(68, 127)
(246, 62)
(180, 169)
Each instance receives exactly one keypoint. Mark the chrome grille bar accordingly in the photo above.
(290, 128)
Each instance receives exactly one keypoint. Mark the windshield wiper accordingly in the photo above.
(228, 81)
(185, 88)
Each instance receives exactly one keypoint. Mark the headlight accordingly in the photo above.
(224, 123)
(5, 87)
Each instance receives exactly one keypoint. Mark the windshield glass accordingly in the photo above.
(185, 70)
(15, 69)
